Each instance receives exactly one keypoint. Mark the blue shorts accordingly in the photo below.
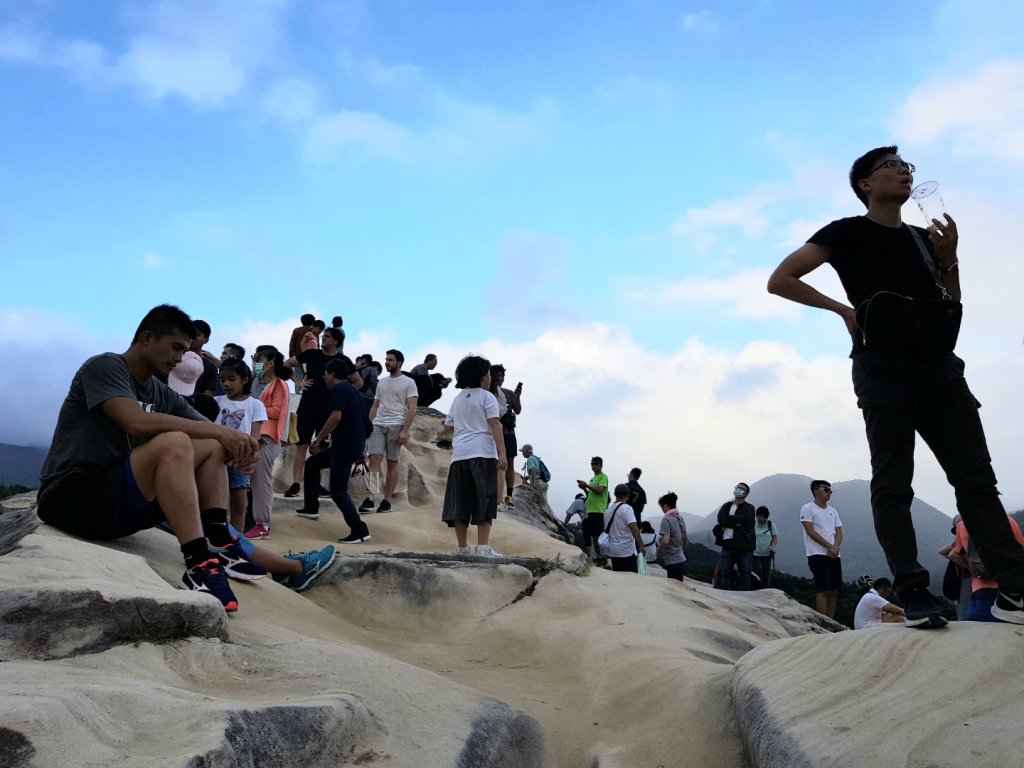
(236, 479)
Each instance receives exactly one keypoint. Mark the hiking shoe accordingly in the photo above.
(486, 551)
(1009, 606)
(922, 611)
(353, 539)
(314, 564)
(236, 562)
(258, 531)
(509, 504)
(323, 492)
(384, 506)
(464, 551)
(293, 491)
(209, 577)
(309, 514)
(367, 505)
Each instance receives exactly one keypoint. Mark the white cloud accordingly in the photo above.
(292, 101)
(376, 72)
(330, 136)
(151, 261)
(20, 45)
(979, 113)
(702, 21)
(739, 295)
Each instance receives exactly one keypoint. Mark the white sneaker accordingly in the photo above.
(463, 551)
(486, 551)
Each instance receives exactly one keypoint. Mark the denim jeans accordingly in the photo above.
(341, 469)
(905, 395)
(763, 570)
(743, 559)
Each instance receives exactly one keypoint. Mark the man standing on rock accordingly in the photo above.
(823, 538)
(737, 520)
(637, 494)
(128, 453)
(596, 502)
(394, 408)
(906, 377)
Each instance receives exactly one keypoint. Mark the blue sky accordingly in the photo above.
(593, 193)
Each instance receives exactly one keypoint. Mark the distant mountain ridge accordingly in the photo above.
(20, 465)
(785, 494)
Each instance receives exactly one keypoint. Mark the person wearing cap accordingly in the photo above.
(737, 520)
(626, 542)
(531, 472)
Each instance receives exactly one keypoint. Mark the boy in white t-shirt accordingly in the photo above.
(823, 537)
(478, 453)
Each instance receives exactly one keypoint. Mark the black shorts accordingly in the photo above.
(511, 446)
(308, 423)
(828, 572)
(98, 502)
(471, 493)
(594, 526)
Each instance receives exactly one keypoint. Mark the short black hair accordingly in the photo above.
(163, 320)
(597, 460)
(307, 319)
(336, 321)
(862, 166)
(320, 324)
(398, 355)
(335, 334)
(202, 327)
(762, 511)
(238, 348)
(816, 484)
(669, 500)
(881, 582)
(237, 365)
(429, 357)
(377, 367)
(636, 472)
(470, 370)
(496, 369)
(340, 367)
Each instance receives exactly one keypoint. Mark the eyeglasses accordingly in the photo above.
(895, 165)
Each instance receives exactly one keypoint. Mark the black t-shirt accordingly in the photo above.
(313, 361)
(209, 379)
(871, 257)
(348, 440)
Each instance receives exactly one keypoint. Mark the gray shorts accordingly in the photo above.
(384, 441)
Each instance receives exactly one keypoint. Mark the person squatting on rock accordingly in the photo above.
(983, 589)
(596, 503)
(874, 608)
(478, 455)
(823, 540)
(128, 453)
(672, 539)
(766, 540)
(903, 287)
(346, 431)
(625, 542)
(737, 520)
(392, 412)
(531, 472)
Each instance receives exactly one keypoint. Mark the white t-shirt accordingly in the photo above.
(240, 414)
(469, 413)
(623, 544)
(391, 397)
(869, 610)
(825, 523)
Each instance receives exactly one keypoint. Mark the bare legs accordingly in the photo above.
(483, 534)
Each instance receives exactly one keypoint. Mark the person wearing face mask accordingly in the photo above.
(737, 520)
(269, 369)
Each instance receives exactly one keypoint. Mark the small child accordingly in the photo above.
(239, 410)
(478, 453)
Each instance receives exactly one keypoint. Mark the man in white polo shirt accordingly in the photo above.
(823, 537)
(394, 408)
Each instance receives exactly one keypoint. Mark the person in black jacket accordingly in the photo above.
(737, 520)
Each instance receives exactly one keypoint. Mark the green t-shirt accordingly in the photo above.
(597, 503)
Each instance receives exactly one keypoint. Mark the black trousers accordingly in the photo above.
(904, 395)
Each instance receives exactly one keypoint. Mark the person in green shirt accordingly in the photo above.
(596, 502)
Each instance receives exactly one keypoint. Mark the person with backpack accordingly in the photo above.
(984, 589)
(766, 539)
(536, 473)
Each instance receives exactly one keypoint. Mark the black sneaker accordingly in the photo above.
(293, 491)
(367, 505)
(1009, 606)
(922, 611)
(353, 539)
(312, 514)
(323, 492)
(384, 506)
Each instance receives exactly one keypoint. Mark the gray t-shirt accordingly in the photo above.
(420, 370)
(675, 529)
(85, 435)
